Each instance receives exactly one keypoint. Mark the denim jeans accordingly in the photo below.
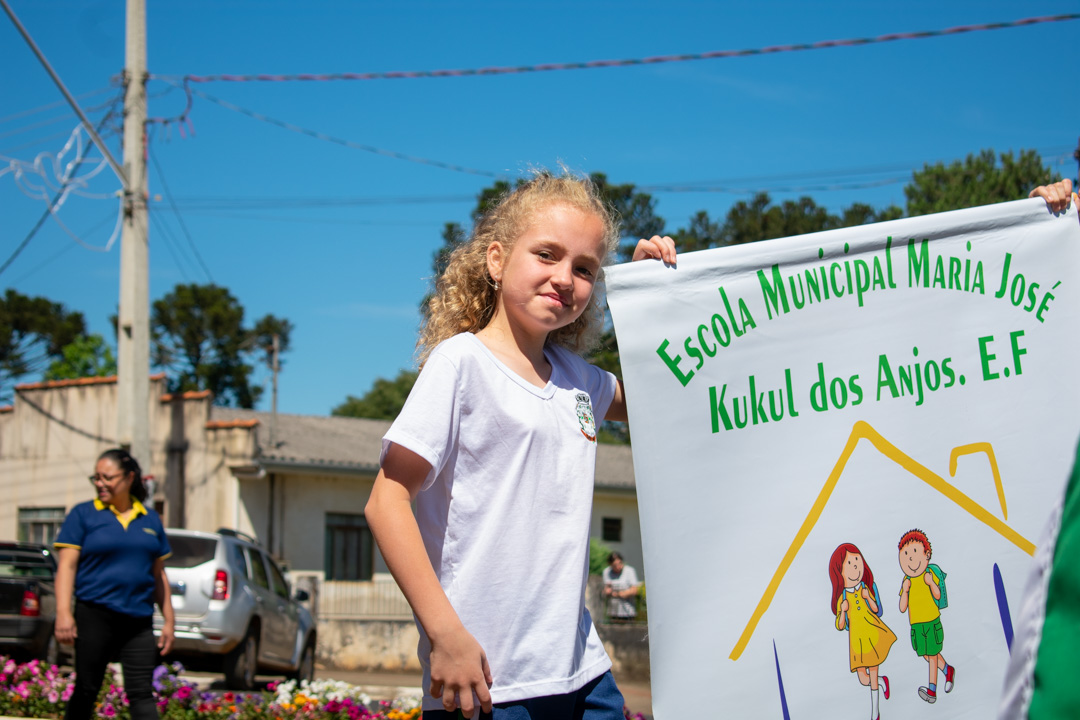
(598, 700)
(103, 636)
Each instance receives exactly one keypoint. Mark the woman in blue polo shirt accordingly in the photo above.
(111, 552)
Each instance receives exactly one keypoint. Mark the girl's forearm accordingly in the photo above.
(394, 527)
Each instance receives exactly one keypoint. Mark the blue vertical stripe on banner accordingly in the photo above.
(1003, 606)
(780, 680)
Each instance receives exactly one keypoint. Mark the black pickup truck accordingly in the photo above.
(28, 601)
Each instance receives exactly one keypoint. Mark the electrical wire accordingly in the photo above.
(596, 64)
(51, 211)
(266, 203)
(170, 242)
(789, 189)
(34, 143)
(111, 217)
(179, 217)
(58, 103)
(346, 143)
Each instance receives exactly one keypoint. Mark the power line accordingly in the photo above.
(67, 96)
(59, 194)
(264, 203)
(792, 189)
(165, 232)
(595, 64)
(339, 141)
(111, 217)
(50, 106)
(176, 211)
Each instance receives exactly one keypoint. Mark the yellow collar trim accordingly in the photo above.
(125, 519)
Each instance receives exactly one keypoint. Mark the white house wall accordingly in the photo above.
(624, 506)
(304, 502)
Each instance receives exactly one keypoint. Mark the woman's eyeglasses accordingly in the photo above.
(94, 479)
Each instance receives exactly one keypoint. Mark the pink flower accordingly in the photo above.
(54, 697)
(108, 710)
(68, 692)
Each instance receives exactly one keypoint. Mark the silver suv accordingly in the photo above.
(232, 605)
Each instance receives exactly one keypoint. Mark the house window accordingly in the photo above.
(350, 548)
(40, 525)
(611, 529)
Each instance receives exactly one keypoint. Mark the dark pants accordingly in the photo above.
(104, 635)
(598, 700)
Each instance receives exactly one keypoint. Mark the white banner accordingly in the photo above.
(804, 403)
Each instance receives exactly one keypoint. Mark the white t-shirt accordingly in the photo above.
(621, 607)
(505, 510)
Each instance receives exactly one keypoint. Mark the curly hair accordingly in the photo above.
(918, 536)
(465, 295)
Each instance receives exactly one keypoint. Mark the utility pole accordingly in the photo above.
(274, 366)
(1076, 155)
(133, 338)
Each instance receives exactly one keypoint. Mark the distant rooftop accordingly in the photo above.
(311, 442)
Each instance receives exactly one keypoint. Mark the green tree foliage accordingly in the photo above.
(759, 219)
(85, 356)
(200, 339)
(262, 335)
(382, 402)
(979, 180)
(33, 333)
(598, 555)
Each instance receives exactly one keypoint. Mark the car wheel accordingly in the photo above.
(305, 670)
(241, 662)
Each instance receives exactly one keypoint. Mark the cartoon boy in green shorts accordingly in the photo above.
(919, 597)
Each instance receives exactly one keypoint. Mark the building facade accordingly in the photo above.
(296, 483)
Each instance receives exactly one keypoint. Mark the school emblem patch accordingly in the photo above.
(585, 416)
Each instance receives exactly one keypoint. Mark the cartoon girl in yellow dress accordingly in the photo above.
(854, 603)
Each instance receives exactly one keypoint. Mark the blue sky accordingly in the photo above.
(340, 240)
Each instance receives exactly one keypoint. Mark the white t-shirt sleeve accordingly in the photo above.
(599, 383)
(602, 391)
(428, 423)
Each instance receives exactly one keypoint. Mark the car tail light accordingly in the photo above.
(31, 604)
(221, 585)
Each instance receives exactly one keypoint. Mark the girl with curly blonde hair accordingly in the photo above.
(496, 445)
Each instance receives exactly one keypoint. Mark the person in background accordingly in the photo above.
(621, 588)
(111, 553)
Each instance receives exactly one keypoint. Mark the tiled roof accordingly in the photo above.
(313, 441)
(340, 443)
(49, 384)
(188, 395)
(227, 424)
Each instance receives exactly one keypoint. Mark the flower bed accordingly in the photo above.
(33, 690)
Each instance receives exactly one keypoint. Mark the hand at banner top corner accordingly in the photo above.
(656, 247)
(1057, 196)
